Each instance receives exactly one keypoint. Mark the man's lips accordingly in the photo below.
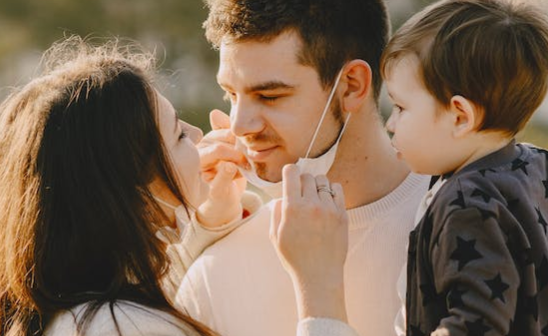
(259, 154)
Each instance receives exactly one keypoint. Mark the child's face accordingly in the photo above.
(422, 127)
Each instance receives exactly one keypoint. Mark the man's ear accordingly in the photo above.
(357, 84)
(466, 116)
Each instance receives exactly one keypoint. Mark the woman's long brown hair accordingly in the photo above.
(79, 146)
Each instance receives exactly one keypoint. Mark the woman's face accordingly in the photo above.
(180, 141)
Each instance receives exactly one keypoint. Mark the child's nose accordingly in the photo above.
(391, 123)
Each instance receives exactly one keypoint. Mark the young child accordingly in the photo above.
(465, 76)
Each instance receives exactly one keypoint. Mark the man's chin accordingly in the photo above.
(266, 174)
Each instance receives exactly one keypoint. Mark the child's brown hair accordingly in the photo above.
(492, 52)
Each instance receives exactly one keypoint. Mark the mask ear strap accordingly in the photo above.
(344, 126)
(164, 203)
(324, 113)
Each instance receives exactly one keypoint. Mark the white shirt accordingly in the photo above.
(133, 320)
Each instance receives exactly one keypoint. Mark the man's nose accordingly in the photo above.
(245, 119)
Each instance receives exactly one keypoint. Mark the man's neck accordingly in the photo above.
(366, 164)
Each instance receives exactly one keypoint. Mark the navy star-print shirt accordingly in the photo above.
(478, 259)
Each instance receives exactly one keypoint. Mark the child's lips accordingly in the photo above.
(396, 150)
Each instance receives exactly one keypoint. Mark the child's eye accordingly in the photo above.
(397, 109)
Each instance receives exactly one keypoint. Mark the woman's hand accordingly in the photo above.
(309, 229)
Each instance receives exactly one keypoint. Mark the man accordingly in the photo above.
(283, 63)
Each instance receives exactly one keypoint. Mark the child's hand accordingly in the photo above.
(219, 160)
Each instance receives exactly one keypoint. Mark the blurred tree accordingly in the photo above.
(171, 27)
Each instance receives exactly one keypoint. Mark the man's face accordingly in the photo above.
(276, 102)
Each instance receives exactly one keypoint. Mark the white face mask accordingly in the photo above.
(181, 216)
(314, 166)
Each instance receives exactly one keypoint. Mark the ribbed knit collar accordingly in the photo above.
(374, 211)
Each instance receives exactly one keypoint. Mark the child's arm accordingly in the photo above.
(474, 266)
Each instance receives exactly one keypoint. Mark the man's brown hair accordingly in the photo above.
(332, 31)
(492, 52)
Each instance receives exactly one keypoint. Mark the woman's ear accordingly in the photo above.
(357, 85)
(466, 116)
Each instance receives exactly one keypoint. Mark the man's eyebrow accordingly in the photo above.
(270, 85)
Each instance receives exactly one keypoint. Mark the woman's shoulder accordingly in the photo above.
(130, 319)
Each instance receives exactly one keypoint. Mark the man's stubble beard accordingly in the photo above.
(261, 168)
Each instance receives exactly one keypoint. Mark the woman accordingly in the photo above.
(94, 167)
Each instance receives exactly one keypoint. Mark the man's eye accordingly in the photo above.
(268, 98)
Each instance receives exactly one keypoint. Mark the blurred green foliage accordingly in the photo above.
(171, 27)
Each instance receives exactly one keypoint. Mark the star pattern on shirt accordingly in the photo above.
(485, 214)
(454, 298)
(459, 200)
(465, 252)
(428, 293)
(480, 193)
(541, 219)
(542, 151)
(483, 172)
(477, 327)
(497, 287)
(416, 331)
(542, 273)
(520, 164)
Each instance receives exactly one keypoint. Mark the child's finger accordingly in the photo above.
(221, 186)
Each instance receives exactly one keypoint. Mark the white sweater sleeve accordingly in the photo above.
(194, 239)
(324, 327)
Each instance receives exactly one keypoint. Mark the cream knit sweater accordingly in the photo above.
(239, 288)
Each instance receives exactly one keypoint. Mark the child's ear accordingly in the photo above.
(466, 116)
